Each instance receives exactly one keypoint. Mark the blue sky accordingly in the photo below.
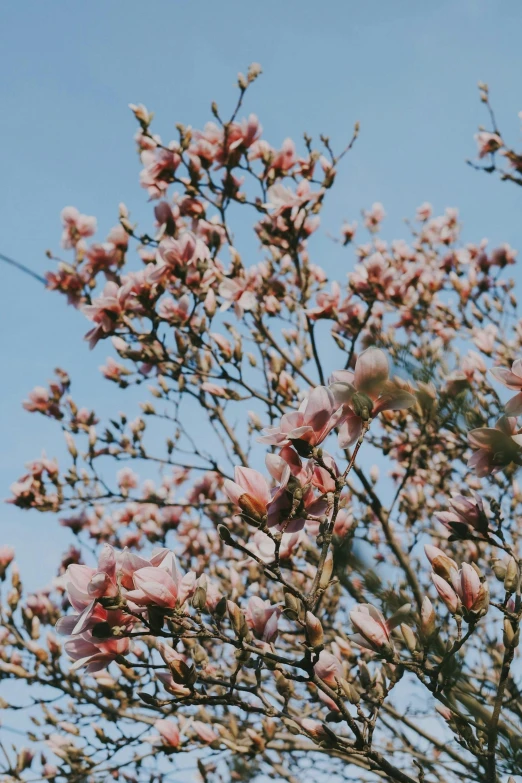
(406, 70)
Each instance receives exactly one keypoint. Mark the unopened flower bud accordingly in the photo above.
(511, 577)
(199, 599)
(314, 630)
(350, 691)
(362, 405)
(327, 571)
(409, 637)
(499, 569)
(284, 686)
(293, 606)
(427, 619)
(237, 620)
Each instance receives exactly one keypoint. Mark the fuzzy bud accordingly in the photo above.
(511, 577)
(314, 630)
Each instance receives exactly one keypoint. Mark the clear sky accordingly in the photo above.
(407, 70)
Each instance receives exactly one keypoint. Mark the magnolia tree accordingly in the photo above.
(243, 586)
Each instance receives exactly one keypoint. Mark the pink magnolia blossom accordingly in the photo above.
(496, 447)
(513, 380)
(441, 563)
(7, 554)
(326, 304)
(487, 143)
(370, 379)
(240, 292)
(95, 657)
(264, 547)
(262, 618)
(373, 632)
(328, 668)
(249, 491)
(464, 588)
(162, 585)
(317, 416)
(169, 732)
(76, 226)
(465, 513)
(204, 731)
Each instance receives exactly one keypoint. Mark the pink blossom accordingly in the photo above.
(262, 618)
(326, 304)
(285, 159)
(374, 217)
(160, 166)
(442, 564)
(127, 479)
(95, 656)
(465, 514)
(249, 491)
(162, 585)
(496, 447)
(38, 400)
(264, 547)
(371, 389)
(487, 143)
(373, 631)
(169, 732)
(174, 312)
(512, 379)
(76, 226)
(317, 416)
(204, 731)
(240, 292)
(328, 668)
(7, 554)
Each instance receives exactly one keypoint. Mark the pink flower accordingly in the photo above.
(240, 292)
(84, 584)
(465, 514)
(424, 212)
(262, 618)
(328, 668)
(467, 585)
(366, 393)
(38, 400)
(160, 166)
(76, 226)
(95, 656)
(487, 143)
(326, 303)
(7, 554)
(174, 254)
(446, 592)
(374, 217)
(348, 232)
(204, 731)
(174, 312)
(249, 491)
(127, 479)
(317, 416)
(373, 631)
(285, 159)
(496, 446)
(512, 379)
(315, 729)
(441, 563)
(162, 585)
(264, 547)
(169, 732)
(463, 589)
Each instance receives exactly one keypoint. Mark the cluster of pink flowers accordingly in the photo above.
(251, 620)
